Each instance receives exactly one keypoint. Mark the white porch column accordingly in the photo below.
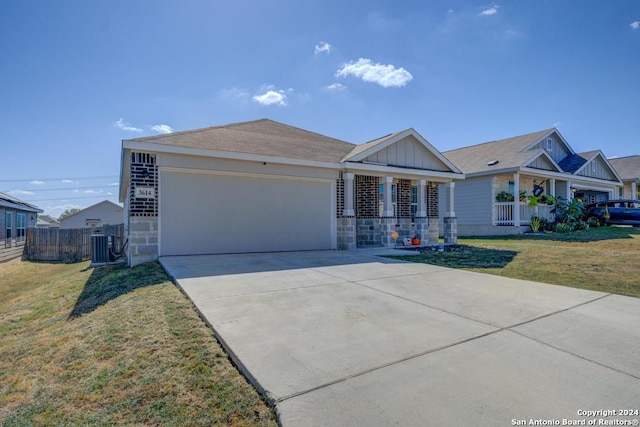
(516, 199)
(552, 187)
(569, 192)
(634, 191)
(421, 212)
(450, 206)
(388, 203)
(348, 194)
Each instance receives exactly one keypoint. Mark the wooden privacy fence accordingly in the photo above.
(73, 244)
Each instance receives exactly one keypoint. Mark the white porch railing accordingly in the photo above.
(504, 212)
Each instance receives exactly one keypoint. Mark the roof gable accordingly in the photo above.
(542, 160)
(406, 149)
(105, 204)
(597, 166)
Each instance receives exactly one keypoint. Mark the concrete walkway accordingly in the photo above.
(346, 338)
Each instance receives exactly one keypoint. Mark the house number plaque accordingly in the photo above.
(145, 193)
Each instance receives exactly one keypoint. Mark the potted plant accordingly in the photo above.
(504, 196)
(523, 195)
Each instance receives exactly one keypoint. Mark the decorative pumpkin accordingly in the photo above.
(415, 241)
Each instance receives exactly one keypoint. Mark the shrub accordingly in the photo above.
(536, 223)
(562, 227)
(593, 222)
(580, 225)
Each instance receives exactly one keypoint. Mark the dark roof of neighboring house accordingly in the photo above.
(261, 137)
(572, 162)
(627, 167)
(8, 201)
(509, 153)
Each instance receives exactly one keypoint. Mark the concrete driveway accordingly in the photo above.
(346, 338)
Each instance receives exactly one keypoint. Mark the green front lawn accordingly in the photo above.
(112, 346)
(604, 259)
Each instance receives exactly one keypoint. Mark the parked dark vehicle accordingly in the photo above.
(621, 212)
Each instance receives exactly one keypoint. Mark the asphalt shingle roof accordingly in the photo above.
(11, 202)
(261, 137)
(508, 152)
(627, 167)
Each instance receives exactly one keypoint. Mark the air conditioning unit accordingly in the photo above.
(100, 248)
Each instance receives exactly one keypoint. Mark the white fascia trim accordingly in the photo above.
(606, 162)
(366, 153)
(570, 177)
(232, 155)
(546, 135)
(402, 172)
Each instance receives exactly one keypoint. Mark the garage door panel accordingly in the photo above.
(217, 213)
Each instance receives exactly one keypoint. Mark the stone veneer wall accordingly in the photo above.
(143, 212)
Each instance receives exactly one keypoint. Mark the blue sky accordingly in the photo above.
(78, 77)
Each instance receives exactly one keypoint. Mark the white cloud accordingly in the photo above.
(121, 124)
(271, 97)
(491, 11)
(91, 192)
(109, 193)
(162, 128)
(113, 184)
(323, 47)
(68, 181)
(21, 192)
(37, 182)
(635, 25)
(384, 75)
(336, 87)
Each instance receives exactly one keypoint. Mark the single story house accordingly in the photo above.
(500, 174)
(16, 217)
(264, 186)
(102, 213)
(47, 221)
(629, 170)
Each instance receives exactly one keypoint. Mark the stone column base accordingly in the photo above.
(450, 229)
(422, 229)
(387, 227)
(346, 233)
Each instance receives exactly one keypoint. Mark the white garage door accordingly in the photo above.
(209, 213)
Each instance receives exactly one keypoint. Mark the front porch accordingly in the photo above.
(504, 213)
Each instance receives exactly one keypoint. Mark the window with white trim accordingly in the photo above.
(549, 145)
(9, 227)
(21, 227)
(414, 202)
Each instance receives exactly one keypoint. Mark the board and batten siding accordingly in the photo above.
(558, 150)
(597, 169)
(408, 152)
(473, 200)
(542, 163)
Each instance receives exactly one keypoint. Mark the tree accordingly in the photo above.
(68, 212)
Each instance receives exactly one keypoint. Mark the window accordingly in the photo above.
(549, 144)
(512, 187)
(9, 226)
(414, 202)
(21, 227)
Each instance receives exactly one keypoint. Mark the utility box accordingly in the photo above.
(101, 246)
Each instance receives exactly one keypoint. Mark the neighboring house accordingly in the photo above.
(46, 221)
(16, 217)
(629, 170)
(103, 213)
(514, 165)
(263, 186)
